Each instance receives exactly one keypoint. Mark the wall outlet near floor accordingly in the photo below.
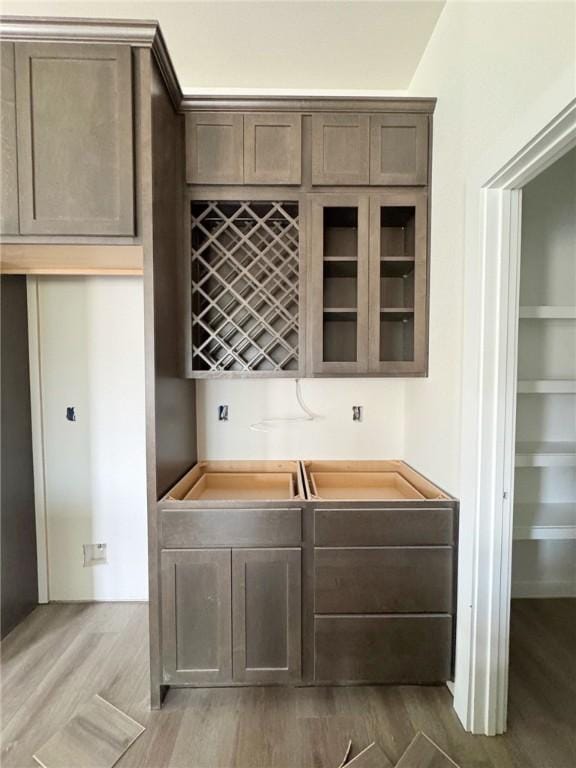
(94, 554)
(357, 413)
(222, 413)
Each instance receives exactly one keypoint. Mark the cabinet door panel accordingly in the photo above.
(75, 165)
(272, 149)
(9, 164)
(196, 616)
(398, 283)
(340, 149)
(339, 295)
(383, 580)
(266, 615)
(214, 148)
(399, 150)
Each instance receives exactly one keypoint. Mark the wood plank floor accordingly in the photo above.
(63, 654)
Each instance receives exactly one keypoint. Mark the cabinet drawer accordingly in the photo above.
(382, 649)
(181, 529)
(383, 527)
(383, 580)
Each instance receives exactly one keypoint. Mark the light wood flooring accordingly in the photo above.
(63, 654)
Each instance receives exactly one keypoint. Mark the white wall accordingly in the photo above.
(246, 44)
(91, 353)
(333, 436)
(500, 71)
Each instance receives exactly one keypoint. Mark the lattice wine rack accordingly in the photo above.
(245, 293)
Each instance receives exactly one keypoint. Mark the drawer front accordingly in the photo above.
(383, 527)
(383, 580)
(382, 649)
(181, 529)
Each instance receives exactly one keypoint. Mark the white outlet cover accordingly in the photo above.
(95, 554)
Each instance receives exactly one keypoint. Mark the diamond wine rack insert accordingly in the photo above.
(245, 273)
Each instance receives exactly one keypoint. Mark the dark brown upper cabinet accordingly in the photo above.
(369, 283)
(399, 150)
(339, 264)
(340, 149)
(215, 148)
(272, 149)
(9, 223)
(75, 144)
(398, 283)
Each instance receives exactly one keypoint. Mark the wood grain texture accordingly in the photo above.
(423, 753)
(61, 655)
(340, 149)
(214, 148)
(96, 737)
(370, 757)
(383, 580)
(196, 616)
(266, 615)
(398, 150)
(9, 218)
(31, 259)
(230, 527)
(75, 148)
(19, 576)
(272, 148)
(383, 649)
(360, 527)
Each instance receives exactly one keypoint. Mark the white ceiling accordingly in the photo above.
(295, 45)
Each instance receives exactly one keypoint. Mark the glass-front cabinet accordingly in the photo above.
(368, 298)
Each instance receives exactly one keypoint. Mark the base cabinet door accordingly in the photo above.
(74, 125)
(196, 621)
(266, 615)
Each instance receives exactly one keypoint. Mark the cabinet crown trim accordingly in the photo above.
(141, 33)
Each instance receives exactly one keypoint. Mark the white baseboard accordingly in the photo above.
(543, 589)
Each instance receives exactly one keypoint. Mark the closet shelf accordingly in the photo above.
(547, 386)
(545, 521)
(548, 454)
(543, 312)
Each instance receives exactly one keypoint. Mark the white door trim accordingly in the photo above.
(38, 453)
(488, 428)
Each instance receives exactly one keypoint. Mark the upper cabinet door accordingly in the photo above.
(339, 292)
(399, 150)
(214, 148)
(340, 149)
(9, 165)
(75, 155)
(398, 283)
(272, 149)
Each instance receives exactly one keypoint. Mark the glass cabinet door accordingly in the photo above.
(398, 281)
(339, 285)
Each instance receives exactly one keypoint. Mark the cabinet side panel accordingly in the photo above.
(19, 573)
(175, 397)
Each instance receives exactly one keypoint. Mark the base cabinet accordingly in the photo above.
(231, 616)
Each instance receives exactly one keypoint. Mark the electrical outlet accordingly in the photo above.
(222, 413)
(357, 413)
(95, 554)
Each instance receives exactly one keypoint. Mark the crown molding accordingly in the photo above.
(306, 104)
(147, 34)
(134, 32)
